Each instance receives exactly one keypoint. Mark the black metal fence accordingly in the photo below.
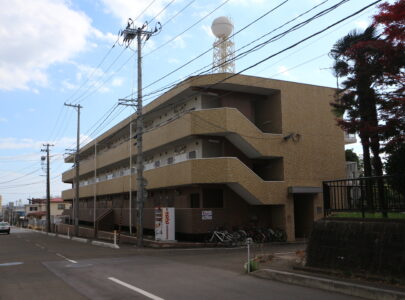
(365, 194)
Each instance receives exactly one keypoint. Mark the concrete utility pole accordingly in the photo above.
(48, 188)
(77, 165)
(129, 34)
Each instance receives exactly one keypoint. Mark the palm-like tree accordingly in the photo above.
(356, 59)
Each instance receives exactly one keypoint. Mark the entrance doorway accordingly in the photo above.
(303, 214)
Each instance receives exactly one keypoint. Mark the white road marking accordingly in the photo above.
(138, 290)
(64, 257)
(40, 246)
(11, 264)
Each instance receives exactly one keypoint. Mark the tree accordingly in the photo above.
(396, 166)
(371, 100)
(391, 20)
(372, 94)
(352, 156)
(357, 61)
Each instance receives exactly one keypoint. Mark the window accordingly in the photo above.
(195, 200)
(170, 160)
(213, 198)
(33, 208)
(192, 154)
(61, 206)
(157, 163)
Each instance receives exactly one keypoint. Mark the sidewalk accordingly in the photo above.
(289, 268)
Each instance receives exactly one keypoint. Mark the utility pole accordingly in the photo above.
(77, 166)
(129, 34)
(48, 188)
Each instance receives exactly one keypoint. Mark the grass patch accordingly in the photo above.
(391, 215)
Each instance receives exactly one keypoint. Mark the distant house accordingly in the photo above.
(36, 212)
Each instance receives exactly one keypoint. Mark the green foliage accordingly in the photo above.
(254, 265)
(396, 161)
(352, 156)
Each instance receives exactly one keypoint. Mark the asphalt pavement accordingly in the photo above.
(37, 266)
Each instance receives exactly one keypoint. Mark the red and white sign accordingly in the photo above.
(164, 224)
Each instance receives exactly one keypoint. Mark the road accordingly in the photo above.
(37, 266)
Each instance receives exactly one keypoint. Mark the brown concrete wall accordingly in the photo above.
(268, 114)
(242, 102)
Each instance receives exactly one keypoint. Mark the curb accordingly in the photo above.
(102, 244)
(342, 287)
(81, 240)
(64, 236)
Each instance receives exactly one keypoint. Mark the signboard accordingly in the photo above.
(206, 215)
(164, 224)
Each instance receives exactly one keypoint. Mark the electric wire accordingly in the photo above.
(187, 29)
(209, 49)
(161, 11)
(178, 13)
(295, 44)
(22, 176)
(143, 11)
(202, 71)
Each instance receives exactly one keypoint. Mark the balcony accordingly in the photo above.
(227, 122)
(227, 170)
(350, 138)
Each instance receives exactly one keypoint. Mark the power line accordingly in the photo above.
(161, 11)
(202, 71)
(194, 24)
(146, 8)
(208, 50)
(94, 69)
(300, 42)
(292, 46)
(83, 96)
(78, 89)
(179, 12)
(284, 50)
(22, 176)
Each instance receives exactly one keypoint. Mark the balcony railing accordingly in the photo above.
(350, 138)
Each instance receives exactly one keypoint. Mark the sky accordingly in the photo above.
(57, 51)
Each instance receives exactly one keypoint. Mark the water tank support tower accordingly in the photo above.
(222, 28)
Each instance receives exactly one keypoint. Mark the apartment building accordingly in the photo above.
(243, 151)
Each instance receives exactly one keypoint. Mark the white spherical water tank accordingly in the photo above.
(222, 27)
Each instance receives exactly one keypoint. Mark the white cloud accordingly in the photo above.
(124, 9)
(179, 42)
(117, 81)
(247, 2)
(173, 61)
(282, 70)
(28, 143)
(36, 34)
(3, 120)
(66, 84)
(208, 31)
(108, 37)
(362, 24)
